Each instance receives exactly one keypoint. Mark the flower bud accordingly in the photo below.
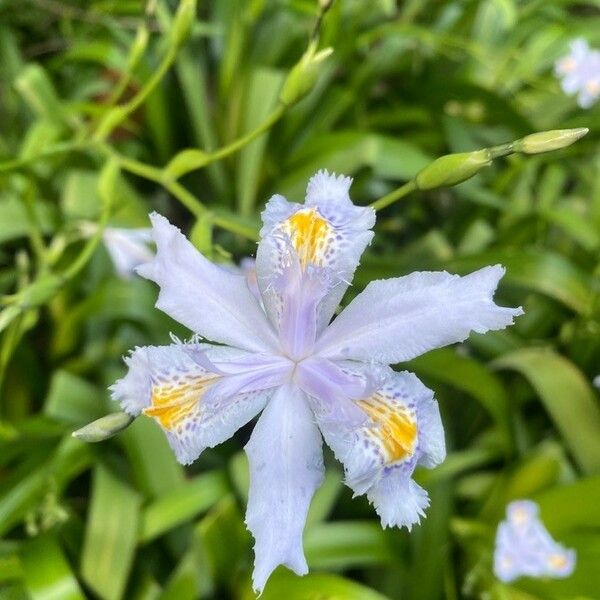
(549, 140)
(185, 161)
(303, 76)
(104, 428)
(452, 169)
(183, 21)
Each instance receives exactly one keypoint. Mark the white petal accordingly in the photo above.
(327, 231)
(166, 383)
(127, 248)
(210, 301)
(379, 458)
(398, 500)
(395, 320)
(286, 467)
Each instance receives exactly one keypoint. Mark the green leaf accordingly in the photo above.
(223, 522)
(572, 506)
(262, 92)
(541, 271)
(182, 504)
(284, 584)
(566, 395)
(37, 90)
(47, 573)
(110, 535)
(154, 467)
(468, 375)
(347, 544)
(14, 222)
(73, 400)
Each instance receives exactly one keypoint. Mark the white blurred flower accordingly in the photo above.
(524, 546)
(579, 72)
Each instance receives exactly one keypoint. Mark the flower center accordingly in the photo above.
(309, 233)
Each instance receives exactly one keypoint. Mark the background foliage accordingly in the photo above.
(407, 82)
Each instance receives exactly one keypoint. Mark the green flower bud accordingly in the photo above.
(183, 21)
(547, 141)
(303, 76)
(104, 428)
(452, 169)
(186, 161)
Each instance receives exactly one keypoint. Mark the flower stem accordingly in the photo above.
(394, 196)
(249, 137)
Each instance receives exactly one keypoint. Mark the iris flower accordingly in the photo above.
(312, 379)
(579, 72)
(524, 546)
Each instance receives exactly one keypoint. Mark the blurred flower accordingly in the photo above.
(579, 72)
(128, 248)
(597, 381)
(313, 378)
(524, 546)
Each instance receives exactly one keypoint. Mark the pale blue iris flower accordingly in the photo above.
(311, 379)
(524, 546)
(579, 72)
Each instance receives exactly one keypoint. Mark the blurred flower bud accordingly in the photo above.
(104, 428)
(452, 169)
(549, 140)
(303, 76)
(183, 21)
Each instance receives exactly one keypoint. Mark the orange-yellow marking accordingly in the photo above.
(308, 232)
(396, 431)
(558, 561)
(170, 404)
(567, 64)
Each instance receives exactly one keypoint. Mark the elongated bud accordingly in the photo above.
(185, 161)
(104, 428)
(303, 76)
(547, 141)
(452, 169)
(183, 21)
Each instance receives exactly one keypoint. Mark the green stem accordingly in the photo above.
(65, 147)
(394, 196)
(110, 121)
(184, 196)
(249, 137)
(34, 228)
(90, 247)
